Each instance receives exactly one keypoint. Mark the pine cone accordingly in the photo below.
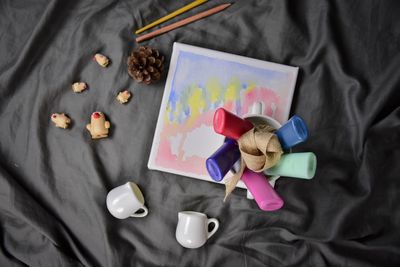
(145, 65)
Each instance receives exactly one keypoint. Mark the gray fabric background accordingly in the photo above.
(53, 182)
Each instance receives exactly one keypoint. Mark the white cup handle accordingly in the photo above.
(216, 226)
(142, 214)
(256, 109)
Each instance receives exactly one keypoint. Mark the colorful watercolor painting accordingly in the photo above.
(200, 81)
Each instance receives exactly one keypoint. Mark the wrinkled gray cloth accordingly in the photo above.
(53, 182)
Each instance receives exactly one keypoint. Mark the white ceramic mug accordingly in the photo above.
(125, 201)
(192, 229)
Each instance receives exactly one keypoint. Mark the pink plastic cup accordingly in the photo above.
(264, 195)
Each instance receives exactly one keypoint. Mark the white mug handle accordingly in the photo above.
(216, 226)
(256, 109)
(142, 214)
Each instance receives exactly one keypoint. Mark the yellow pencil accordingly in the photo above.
(173, 14)
(181, 23)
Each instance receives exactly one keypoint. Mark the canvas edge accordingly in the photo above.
(238, 58)
(167, 90)
(292, 88)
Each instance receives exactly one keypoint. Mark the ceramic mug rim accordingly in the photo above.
(130, 184)
(189, 212)
(276, 123)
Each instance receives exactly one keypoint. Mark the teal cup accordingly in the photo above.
(296, 165)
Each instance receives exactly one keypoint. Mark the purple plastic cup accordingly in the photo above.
(219, 163)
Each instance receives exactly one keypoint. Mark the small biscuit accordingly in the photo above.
(60, 120)
(98, 126)
(79, 87)
(101, 60)
(123, 97)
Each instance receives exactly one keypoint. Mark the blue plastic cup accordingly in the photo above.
(219, 163)
(293, 132)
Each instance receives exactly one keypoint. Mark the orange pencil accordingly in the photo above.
(182, 22)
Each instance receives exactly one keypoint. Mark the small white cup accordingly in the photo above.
(125, 201)
(192, 229)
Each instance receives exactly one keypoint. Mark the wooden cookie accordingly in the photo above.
(98, 126)
(60, 120)
(79, 87)
(123, 97)
(101, 60)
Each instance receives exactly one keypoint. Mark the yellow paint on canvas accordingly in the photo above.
(233, 89)
(196, 104)
(178, 110)
(166, 113)
(214, 88)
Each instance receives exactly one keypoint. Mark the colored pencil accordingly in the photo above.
(173, 14)
(182, 22)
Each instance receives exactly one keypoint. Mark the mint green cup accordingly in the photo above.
(296, 165)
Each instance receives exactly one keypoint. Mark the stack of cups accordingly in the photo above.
(297, 165)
